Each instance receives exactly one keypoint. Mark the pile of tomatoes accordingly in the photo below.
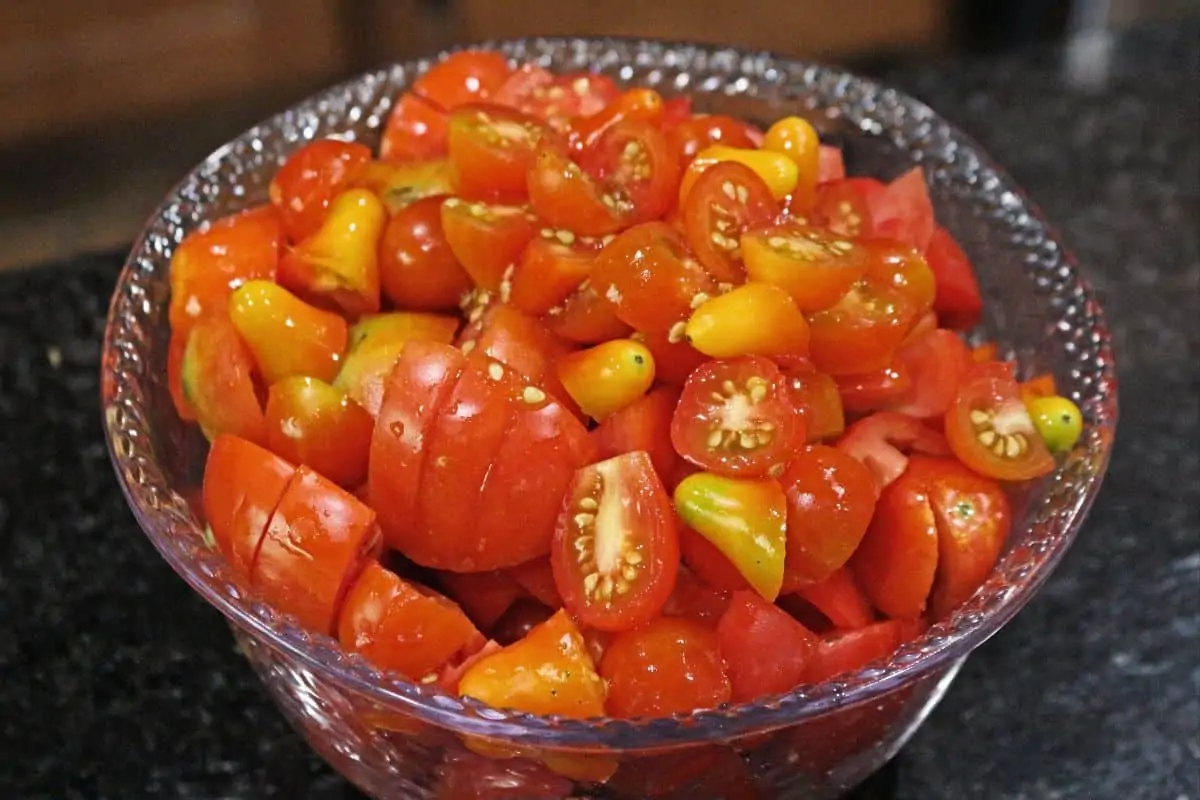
(579, 403)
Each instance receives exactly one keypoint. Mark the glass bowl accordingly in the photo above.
(395, 739)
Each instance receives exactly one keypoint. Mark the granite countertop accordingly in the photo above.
(117, 682)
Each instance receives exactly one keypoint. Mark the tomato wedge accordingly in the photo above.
(486, 238)
(844, 206)
(698, 133)
(491, 149)
(310, 422)
(766, 651)
(936, 362)
(874, 390)
(564, 196)
(726, 199)
(846, 651)
(959, 304)
(989, 429)
(554, 98)
(877, 441)
(615, 551)
(670, 665)
(643, 425)
(550, 269)
(217, 376)
(416, 129)
(587, 318)
(464, 77)
(816, 267)
(904, 211)
(816, 399)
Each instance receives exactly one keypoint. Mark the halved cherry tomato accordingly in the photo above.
(548, 672)
(844, 206)
(830, 498)
(936, 362)
(862, 331)
(215, 259)
(398, 327)
(831, 167)
(587, 318)
(486, 239)
(608, 377)
(904, 211)
(556, 99)
(364, 373)
(643, 425)
(217, 376)
(695, 599)
(537, 578)
(340, 261)
(845, 651)
(310, 422)
(959, 304)
(484, 596)
(317, 542)
(468, 76)
(417, 267)
(416, 129)
(308, 181)
(766, 651)
(877, 440)
(745, 519)
(816, 267)
(671, 665)
(287, 336)
(400, 627)
(676, 111)
(633, 160)
(872, 391)
(726, 199)
(698, 133)
(754, 319)
(491, 149)
(400, 185)
(796, 137)
(564, 196)
(840, 600)
(633, 105)
(615, 550)
(242, 486)
(897, 265)
(777, 171)
(735, 418)
(990, 430)
(815, 397)
(552, 266)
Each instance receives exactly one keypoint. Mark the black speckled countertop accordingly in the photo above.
(117, 682)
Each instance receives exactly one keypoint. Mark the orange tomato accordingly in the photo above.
(486, 239)
(756, 319)
(816, 267)
(606, 378)
(416, 129)
(310, 422)
(287, 336)
(797, 139)
(467, 76)
(491, 149)
(218, 379)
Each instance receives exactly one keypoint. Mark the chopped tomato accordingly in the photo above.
(844, 206)
(400, 627)
(936, 363)
(898, 266)
(735, 418)
(633, 161)
(643, 425)
(674, 361)
(524, 344)
(364, 373)
(990, 430)
(417, 267)
(486, 239)
(846, 651)
(815, 397)
(904, 211)
(777, 171)
(551, 268)
(484, 596)
(694, 134)
(286, 335)
(316, 544)
(606, 378)
(556, 99)
(633, 105)
(840, 600)
(468, 76)
(308, 181)
(564, 196)
(727, 199)
(817, 268)
(766, 651)
(243, 484)
(310, 422)
(874, 390)
(587, 318)
(676, 111)
(491, 149)
(416, 129)
(831, 166)
(671, 665)
(709, 564)
(615, 549)
(397, 327)
(218, 380)
(959, 304)
(537, 578)
(877, 441)
(862, 331)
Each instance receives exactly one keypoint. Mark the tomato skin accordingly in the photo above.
(397, 327)
(364, 373)
(816, 399)
(726, 200)
(608, 377)
(633, 160)
(467, 76)
(778, 171)
(310, 422)
(400, 185)
(556, 99)
(671, 665)
(694, 598)
(615, 551)
(844, 206)
(308, 181)
(643, 425)
(936, 363)
(417, 267)
(900, 267)
(708, 563)
(491, 149)
(959, 303)
(416, 129)
(484, 596)
(754, 319)
(846, 651)
(872, 391)
(694, 134)
(674, 362)
(766, 651)
(398, 627)
(840, 600)
(904, 211)
(876, 441)
(524, 344)
(817, 268)
(286, 335)
(486, 239)
(990, 390)
(552, 266)
(796, 137)
(217, 377)
(243, 484)
(316, 543)
(830, 497)
(862, 331)
(633, 105)
(564, 196)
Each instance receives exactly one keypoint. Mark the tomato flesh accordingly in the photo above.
(310, 422)
(308, 181)
(727, 199)
(486, 239)
(491, 149)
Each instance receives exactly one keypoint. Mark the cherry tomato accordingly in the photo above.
(754, 319)
(340, 262)
(735, 418)
(468, 76)
(674, 361)
(904, 211)
(417, 267)
(491, 149)
(676, 111)
(317, 542)
(990, 430)
(644, 425)
(797, 138)
(898, 266)
(552, 266)
(862, 331)
(959, 304)
(846, 651)
(548, 672)
(486, 239)
(484, 596)
(587, 318)
(877, 440)
(695, 599)
(694, 134)
(524, 344)
(633, 105)
(449, 676)
(1057, 419)
(726, 199)
(556, 99)
(615, 550)
(671, 665)
(310, 422)
(830, 499)
(537, 579)
(936, 362)
(416, 129)
(366, 368)
(872, 391)
(287, 336)
(400, 185)
(563, 196)
(844, 206)
(817, 268)
(608, 377)
(745, 519)
(815, 397)
(217, 258)
(633, 161)
(243, 484)
(308, 181)
(831, 166)
(217, 376)
(840, 600)
(400, 627)
(777, 171)
(766, 652)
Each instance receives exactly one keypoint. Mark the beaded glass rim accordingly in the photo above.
(237, 175)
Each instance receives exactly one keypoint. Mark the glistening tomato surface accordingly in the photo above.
(815, 266)
(308, 181)
(465, 77)
(491, 149)
(727, 199)
(633, 160)
(766, 651)
(310, 422)
(990, 431)
(417, 267)
(615, 551)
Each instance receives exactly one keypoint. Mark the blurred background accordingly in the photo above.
(104, 104)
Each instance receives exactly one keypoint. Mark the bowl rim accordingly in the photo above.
(939, 648)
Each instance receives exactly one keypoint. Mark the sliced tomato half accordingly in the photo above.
(989, 429)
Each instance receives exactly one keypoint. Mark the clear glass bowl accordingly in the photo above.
(395, 739)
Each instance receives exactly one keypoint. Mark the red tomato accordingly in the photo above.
(844, 206)
(671, 665)
(417, 267)
(674, 362)
(537, 579)
(846, 651)
(564, 196)
(874, 390)
(416, 128)
(898, 266)
(831, 167)
(400, 627)
(708, 563)
(815, 397)
(556, 99)
(936, 362)
(308, 181)
(485, 596)
(877, 439)
(633, 160)
(676, 111)
(831, 497)
(840, 600)
(451, 674)
(766, 652)
(317, 542)
(242, 486)
(990, 431)
(587, 318)
(491, 149)
(632, 105)
(862, 331)
(550, 269)
(218, 379)
(486, 239)
(310, 422)
(643, 425)
(726, 199)
(735, 418)
(959, 304)
(615, 550)
(523, 616)
(691, 135)
(814, 266)
(693, 598)
(469, 76)
(904, 211)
